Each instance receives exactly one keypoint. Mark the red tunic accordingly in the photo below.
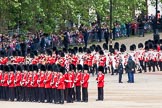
(85, 80)
(61, 83)
(90, 58)
(11, 80)
(18, 79)
(1, 78)
(48, 80)
(100, 79)
(5, 80)
(74, 60)
(102, 60)
(41, 80)
(78, 79)
(54, 80)
(69, 80)
(35, 84)
(24, 80)
(29, 80)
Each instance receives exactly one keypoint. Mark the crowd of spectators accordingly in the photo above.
(83, 35)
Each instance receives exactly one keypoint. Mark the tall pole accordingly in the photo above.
(156, 34)
(110, 19)
(156, 14)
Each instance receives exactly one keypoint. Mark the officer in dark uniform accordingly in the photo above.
(120, 70)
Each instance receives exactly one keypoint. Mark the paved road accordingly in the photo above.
(146, 92)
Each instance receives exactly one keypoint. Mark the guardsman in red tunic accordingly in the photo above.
(100, 81)
(17, 81)
(90, 64)
(1, 77)
(84, 82)
(77, 82)
(23, 83)
(35, 84)
(74, 60)
(4, 82)
(41, 84)
(53, 84)
(102, 59)
(29, 83)
(47, 82)
(70, 84)
(61, 86)
(11, 83)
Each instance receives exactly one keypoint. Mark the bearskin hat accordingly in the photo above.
(79, 67)
(101, 52)
(86, 67)
(131, 48)
(116, 46)
(6, 68)
(12, 68)
(26, 67)
(42, 68)
(80, 49)
(105, 46)
(88, 51)
(101, 68)
(140, 45)
(35, 67)
(134, 46)
(19, 68)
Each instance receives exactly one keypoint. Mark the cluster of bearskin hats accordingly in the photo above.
(21, 68)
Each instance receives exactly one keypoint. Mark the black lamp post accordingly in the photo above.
(110, 43)
(156, 34)
(110, 19)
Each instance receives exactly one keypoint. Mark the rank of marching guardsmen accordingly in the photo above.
(55, 76)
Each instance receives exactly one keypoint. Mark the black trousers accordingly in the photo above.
(95, 68)
(28, 94)
(24, 94)
(65, 93)
(5, 93)
(1, 92)
(11, 93)
(160, 65)
(78, 93)
(48, 95)
(100, 93)
(141, 64)
(145, 66)
(69, 95)
(35, 94)
(18, 93)
(149, 63)
(61, 96)
(54, 95)
(84, 94)
(120, 77)
(41, 94)
(91, 70)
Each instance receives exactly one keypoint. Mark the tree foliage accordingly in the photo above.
(51, 14)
